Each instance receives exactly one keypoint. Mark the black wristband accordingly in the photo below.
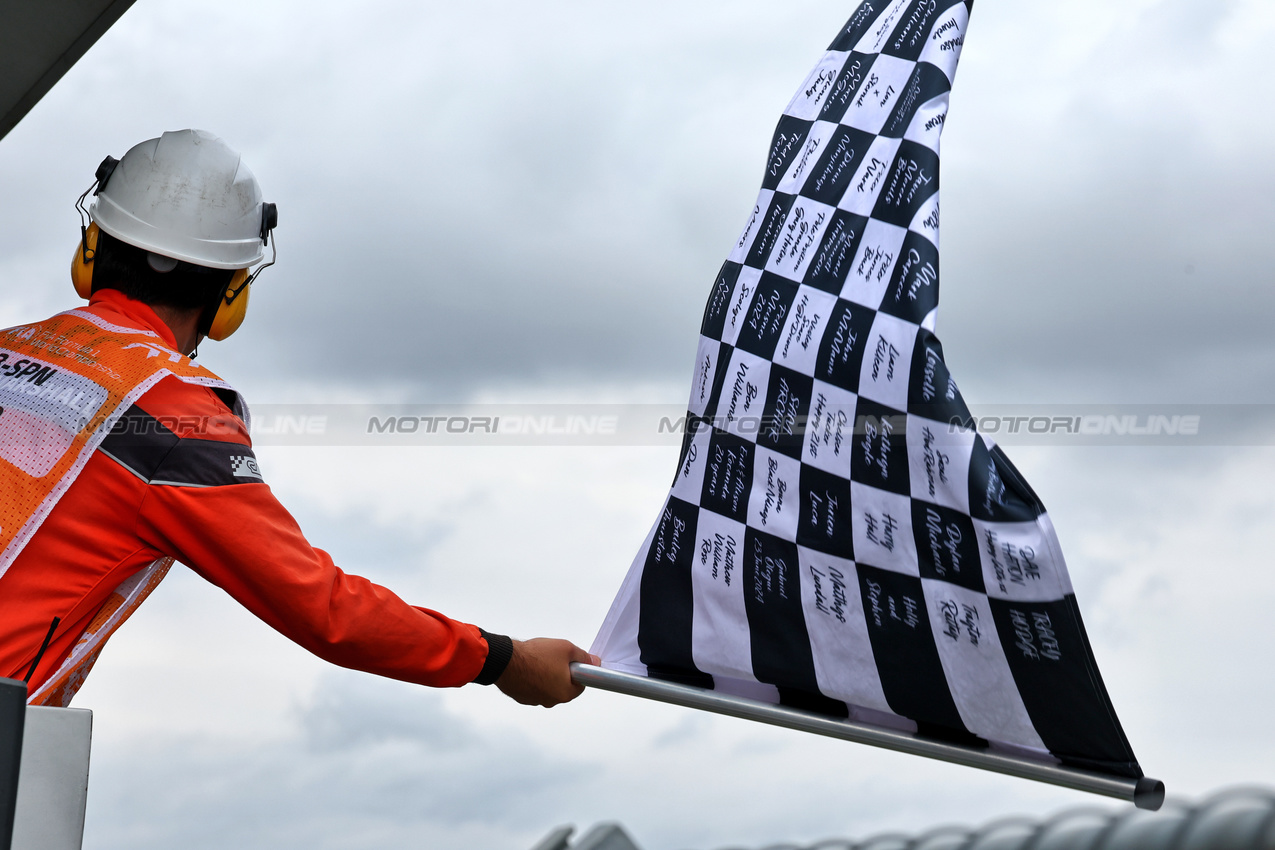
(499, 650)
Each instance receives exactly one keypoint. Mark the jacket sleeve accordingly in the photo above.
(208, 507)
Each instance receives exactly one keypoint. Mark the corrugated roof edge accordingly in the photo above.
(1240, 818)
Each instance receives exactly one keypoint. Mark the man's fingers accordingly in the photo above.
(577, 654)
(540, 672)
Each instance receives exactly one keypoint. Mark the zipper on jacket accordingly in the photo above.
(53, 627)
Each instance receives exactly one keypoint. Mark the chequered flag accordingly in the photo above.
(839, 537)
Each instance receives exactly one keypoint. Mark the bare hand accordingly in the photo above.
(539, 672)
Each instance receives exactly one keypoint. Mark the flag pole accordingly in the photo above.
(1145, 793)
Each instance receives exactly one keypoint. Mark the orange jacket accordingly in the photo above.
(164, 486)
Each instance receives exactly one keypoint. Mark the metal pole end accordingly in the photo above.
(1149, 794)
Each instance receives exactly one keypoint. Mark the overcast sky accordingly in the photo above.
(530, 200)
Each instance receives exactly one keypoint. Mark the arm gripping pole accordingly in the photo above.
(1144, 793)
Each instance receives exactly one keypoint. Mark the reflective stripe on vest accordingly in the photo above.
(58, 689)
(64, 384)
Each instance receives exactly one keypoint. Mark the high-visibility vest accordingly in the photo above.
(65, 383)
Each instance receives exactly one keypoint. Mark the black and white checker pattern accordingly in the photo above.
(839, 536)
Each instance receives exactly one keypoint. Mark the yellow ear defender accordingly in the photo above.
(82, 262)
(233, 307)
(230, 312)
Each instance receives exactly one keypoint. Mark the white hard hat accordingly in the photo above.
(188, 196)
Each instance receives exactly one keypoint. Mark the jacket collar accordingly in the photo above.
(118, 308)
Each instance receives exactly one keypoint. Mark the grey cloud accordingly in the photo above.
(1166, 548)
(368, 769)
(1104, 234)
(474, 197)
(1107, 252)
(488, 195)
(360, 716)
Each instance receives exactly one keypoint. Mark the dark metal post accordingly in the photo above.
(13, 714)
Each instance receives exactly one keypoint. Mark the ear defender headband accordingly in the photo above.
(224, 315)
